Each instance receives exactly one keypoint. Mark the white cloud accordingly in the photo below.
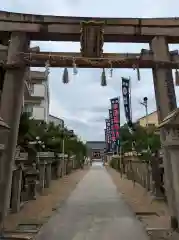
(83, 103)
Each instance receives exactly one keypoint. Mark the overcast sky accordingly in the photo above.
(83, 103)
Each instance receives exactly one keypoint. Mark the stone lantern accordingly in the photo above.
(170, 124)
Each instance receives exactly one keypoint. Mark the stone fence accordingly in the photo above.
(148, 175)
(138, 171)
(33, 172)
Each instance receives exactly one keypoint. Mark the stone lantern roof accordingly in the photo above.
(3, 125)
(172, 120)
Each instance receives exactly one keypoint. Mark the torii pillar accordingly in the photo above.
(166, 102)
(10, 111)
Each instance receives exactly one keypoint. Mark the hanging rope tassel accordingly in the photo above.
(138, 71)
(47, 66)
(103, 79)
(75, 71)
(65, 76)
(176, 78)
(111, 71)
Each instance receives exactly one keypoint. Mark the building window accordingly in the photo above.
(28, 109)
(32, 88)
(151, 124)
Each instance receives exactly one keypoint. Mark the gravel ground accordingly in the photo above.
(39, 210)
(141, 202)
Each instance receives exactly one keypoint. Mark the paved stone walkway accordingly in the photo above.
(94, 211)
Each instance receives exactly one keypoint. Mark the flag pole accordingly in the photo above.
(133, 147)
(130, 97)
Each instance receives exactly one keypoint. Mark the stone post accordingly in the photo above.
(11, 107)
(156, 176)
(48, 175)
(42, 175)
(32, 175)
(59, 171)
(171, 143)
(60, 165)
(166, 102)
(31, 187)
(63, 167)
(173, 148)
(65, 164)
(74, 161)
(16, 190)
(148, 179)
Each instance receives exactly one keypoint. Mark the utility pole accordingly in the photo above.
(145, 104)
(63, 149)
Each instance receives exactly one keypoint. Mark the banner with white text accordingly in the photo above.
(115, 111)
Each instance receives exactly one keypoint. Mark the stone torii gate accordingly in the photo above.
(17, 30)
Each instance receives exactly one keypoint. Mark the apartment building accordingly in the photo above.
(37, 102)
(36, 92)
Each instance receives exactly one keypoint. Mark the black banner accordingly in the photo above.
(106, 138)
(127, 101)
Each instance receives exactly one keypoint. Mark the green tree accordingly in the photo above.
(52, 136)
(143, 138)
(24, 130)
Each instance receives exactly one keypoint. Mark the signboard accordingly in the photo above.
(23, 156)
(96, 154)
(61, 155)
(46, 154)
